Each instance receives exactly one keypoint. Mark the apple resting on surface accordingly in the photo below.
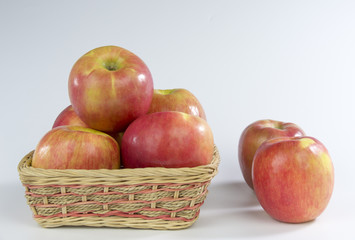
(75, 147)
(293, 178)
(109, 87)
(255, 134)
(167, 139)
(68, 117)
(179, 99)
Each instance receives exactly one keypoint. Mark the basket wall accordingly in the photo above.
(156, 198)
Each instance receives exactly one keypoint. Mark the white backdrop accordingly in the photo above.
(244, 60)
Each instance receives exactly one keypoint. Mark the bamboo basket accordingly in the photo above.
(148, 198)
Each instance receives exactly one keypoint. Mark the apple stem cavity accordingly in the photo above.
(111, 65)
(279, 126)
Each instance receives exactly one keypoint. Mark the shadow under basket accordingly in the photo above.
(148, 198)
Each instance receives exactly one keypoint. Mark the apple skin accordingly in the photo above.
(293, 178)
(75, 147)
(109, 87)
(178, 99)
(255, 134)
(117, 136)
(68, 117)
(167, 139)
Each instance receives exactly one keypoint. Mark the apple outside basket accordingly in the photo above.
(149, 198)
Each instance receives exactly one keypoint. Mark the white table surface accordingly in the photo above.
(244, 60)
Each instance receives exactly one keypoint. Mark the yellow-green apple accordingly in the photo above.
(167, 139)
(68, 117)
(293, 178)
(255, 134)
(75, 147)
(178, 99)
(109, 87)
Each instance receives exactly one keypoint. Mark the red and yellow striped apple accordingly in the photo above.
(75, 147)
(293, 178)
(109, 87)
(178, 99)
(167, 139)
(68, 117)
(255, 134)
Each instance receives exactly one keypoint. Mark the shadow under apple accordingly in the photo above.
(234, 211)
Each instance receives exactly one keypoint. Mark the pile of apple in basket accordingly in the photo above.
(122, 151)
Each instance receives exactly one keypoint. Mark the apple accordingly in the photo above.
(109, 87)
(254, 135)
(293, 178)
(179, 99)
(117, 136)
(167, 139)
(75, 147)
(68, 117)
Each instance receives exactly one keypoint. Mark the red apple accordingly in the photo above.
(75, 147)
(255, 134)
(109, 87)
(293, 178)
(180, 100)
(167, 139)
(68, 117)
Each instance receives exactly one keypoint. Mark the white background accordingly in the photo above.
(244, 60)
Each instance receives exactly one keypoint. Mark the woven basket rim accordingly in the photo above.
(38, 176)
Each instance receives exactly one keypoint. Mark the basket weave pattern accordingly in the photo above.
(156, 198)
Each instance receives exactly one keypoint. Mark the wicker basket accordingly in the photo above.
(152, 198)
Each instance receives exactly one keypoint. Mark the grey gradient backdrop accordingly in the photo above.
(245, 60)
